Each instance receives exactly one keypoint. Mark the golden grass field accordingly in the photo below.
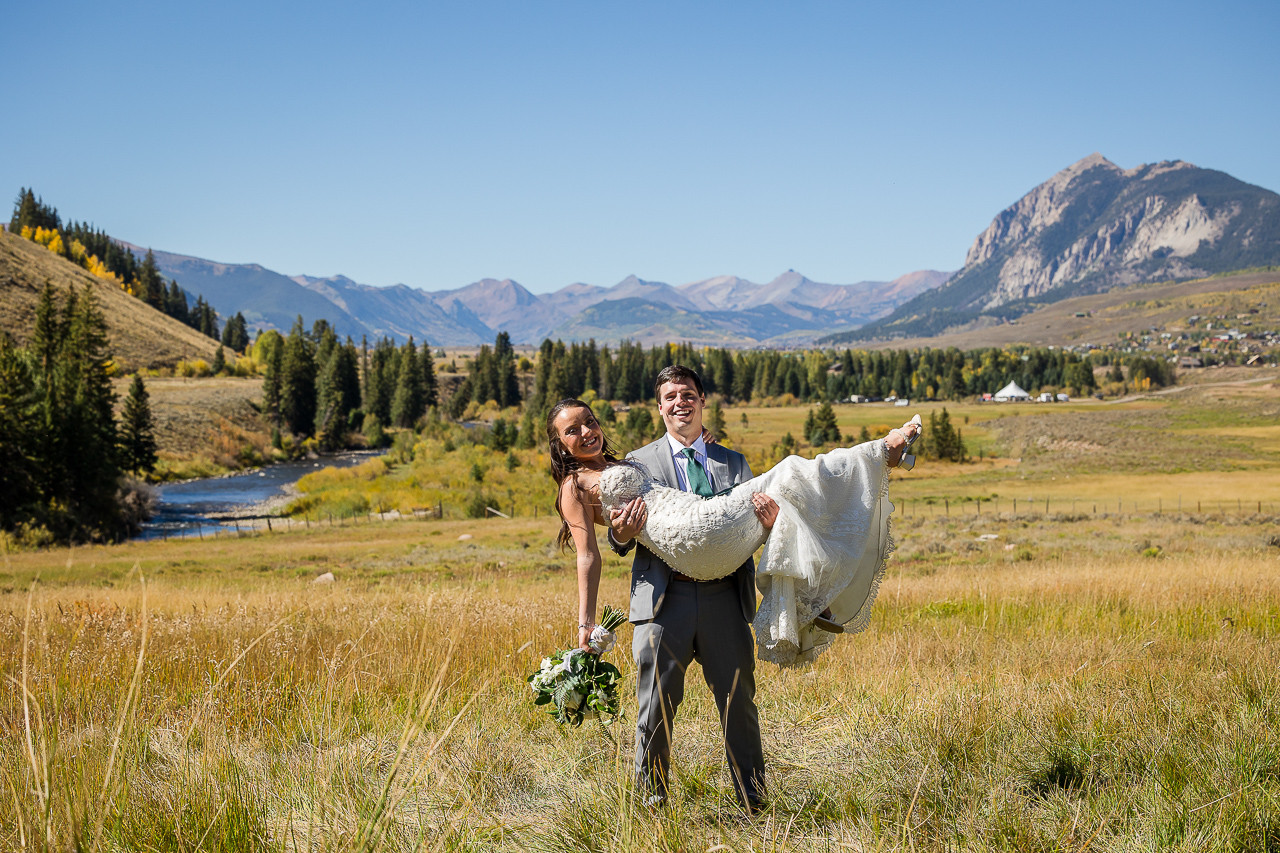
(1040, 681)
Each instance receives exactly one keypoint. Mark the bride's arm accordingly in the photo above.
(581, 521)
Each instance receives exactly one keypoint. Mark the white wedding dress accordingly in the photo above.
(828, 547)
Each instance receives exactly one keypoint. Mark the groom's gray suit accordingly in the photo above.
(677, 621)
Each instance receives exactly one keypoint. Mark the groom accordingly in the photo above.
(677, 619)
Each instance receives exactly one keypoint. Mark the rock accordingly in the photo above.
(464, 537)
(325, 578)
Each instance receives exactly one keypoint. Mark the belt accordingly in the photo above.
(681, 576)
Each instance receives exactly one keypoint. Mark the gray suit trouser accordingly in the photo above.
(700, 621)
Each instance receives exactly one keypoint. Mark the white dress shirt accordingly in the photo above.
(682, 463)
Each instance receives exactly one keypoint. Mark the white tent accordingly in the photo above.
(1011, 392)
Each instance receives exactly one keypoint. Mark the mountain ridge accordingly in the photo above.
(724, 310)
(1093, 226)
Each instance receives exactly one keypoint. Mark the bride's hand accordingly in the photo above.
(766, 509)
(627, 521)
(584, 638)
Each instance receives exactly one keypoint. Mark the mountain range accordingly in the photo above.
(1091, 227)
(725, 310)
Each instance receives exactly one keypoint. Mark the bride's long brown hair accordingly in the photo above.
(563, 463)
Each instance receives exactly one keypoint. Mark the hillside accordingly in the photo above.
(1094, 226)
(1101, 318)
(140, 335)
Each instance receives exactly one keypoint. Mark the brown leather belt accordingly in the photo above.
(681, 576)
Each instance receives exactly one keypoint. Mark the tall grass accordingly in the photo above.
(1102, 702)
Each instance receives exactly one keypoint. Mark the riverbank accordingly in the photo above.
(204, 506)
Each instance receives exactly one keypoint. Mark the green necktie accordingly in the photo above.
(696, 474)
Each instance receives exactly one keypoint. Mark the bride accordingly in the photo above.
(823, 557)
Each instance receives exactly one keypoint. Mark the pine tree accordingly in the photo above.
(430, 386)
(91, 446)
(219, 362)
(269, 350)
(408, 404)
(236, 333)
(19, 437)
(337, 395)
(715, 419)
(298, 381)
(207, 320)
(175, 303)
(137, 430)
(150, 286)
(507, 384)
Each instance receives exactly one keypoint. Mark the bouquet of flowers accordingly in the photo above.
(578, 683)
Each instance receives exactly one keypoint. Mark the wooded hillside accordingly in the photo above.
(140, 336)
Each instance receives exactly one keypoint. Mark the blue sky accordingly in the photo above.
(553, 142)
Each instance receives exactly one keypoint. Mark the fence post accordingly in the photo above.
(269, 530)
(947, 501)
(1046, 506)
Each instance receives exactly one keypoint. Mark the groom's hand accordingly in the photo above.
(628, 520)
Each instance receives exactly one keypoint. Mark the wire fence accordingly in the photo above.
(1081, 506)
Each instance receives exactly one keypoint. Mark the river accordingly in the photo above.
(184, 509)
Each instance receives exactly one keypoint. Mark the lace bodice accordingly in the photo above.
(705, 538)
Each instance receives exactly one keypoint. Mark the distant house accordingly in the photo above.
(1046, 397)
(1189, 361)
(1011, 393)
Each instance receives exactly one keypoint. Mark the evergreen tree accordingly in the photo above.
(175, 303)
(942, 440)
(150, 286)
(208, 319)
(430, 386)
(137, 430)
(236, 333)
(30, 212)
(268, 350)
(89, 425)
(715, 419)
(298, 381)
(337, 395)
(19, 437)
(408, 404)
(506, 383)
(219, 362)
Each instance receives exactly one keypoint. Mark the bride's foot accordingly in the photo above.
(826, 622)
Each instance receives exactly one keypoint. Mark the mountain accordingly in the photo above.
(502, 306)
(399, 311)
(726, 310)
(1091, 227)
(266, 298)
(139, 335)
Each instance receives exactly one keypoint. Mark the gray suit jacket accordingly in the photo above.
(649, 574)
